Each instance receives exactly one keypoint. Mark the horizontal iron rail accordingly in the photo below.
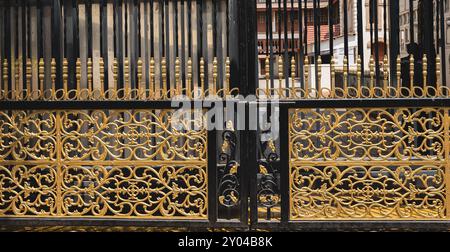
(362, 103)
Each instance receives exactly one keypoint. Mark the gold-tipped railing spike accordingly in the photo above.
(215, 75)
(126, 71)
(116, 73)
(202, 75)
(53, 75)
(78, 75)
(102, 75)
(399, 75)
(411, 75)
(438, 75)
(17, 74)
(306, 76)
(164, 75)
(152, 77)
(41, 75)
(385, 75)
(293, 68)
(358, 75)
(28, 75)
(189, 78)
(280, 75)
(333, 75)
(424, 71)
(65, 75)
(89, 73)
(139, 80)
(345, 74)
(319, 75)
(267, 74)
(178, 85)
(372, 72)
(5, 75)
(228, 76)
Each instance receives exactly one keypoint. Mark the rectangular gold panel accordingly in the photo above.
(374, 163)
(103, 163)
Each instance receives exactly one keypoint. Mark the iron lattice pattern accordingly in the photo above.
(102, 163)
(369, 163)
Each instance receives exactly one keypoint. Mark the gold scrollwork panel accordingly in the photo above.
(103, 163)
(377, 134)
(375, 192)
(374, 163)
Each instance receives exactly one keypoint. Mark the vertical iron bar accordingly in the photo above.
(301, 41)
(377, 44)
(346, 32)
(284, 162)
(442, 42)
(394, 41)
(212, 177)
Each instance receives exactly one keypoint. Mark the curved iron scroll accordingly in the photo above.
(229, 195)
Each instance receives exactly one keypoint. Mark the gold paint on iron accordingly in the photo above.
(215, 76)
(89, 74)
(267, 74)
(202, 76)
(152, 78)
(280, 75)
(78, 75)
(178, 83)
(227, 76)
(189, 78)
(5, 75)
(41, 76)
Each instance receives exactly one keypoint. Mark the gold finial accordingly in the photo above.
(89, 73)
(202, 74)
(189, 78)
(319, 75)
(65, 74)
(227, 75)
(139, 75)
(78, 75)
(345, 73)
(164, 75)
(41, 75)
(126, 65)
(280, 74)
(267, 70)
(101, 64)
(424, 70)
(399, 74)
(306, 76)
(438, 75)
(5, 74)
(152, 76)
(178, 82)
(358, 74)
(385, 75)
(17, 74)
(372, 72)
(293, 68)
(333, 74)
(411, 74)
(53, 74)
(116, 73)
(29, 75)
(215, 75)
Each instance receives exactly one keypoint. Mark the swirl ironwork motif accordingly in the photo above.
(381, 163)
(229, 184)
(113, 163)
(268, 176)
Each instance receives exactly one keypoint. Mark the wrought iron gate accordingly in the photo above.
(359, 112)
